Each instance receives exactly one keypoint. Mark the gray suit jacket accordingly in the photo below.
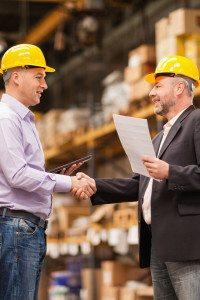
(175, 203)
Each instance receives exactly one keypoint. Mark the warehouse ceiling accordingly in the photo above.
(39, 21)
(73, 31)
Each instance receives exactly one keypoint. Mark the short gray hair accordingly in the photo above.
(7, 74)
(189, 83)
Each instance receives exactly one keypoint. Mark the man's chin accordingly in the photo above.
(35, 102)
(158, 111)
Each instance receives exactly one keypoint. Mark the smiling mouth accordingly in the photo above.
(39, 94)
(155, 100)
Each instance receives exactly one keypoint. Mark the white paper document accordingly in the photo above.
(136, 140)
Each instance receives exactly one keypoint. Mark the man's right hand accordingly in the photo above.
(84, 187)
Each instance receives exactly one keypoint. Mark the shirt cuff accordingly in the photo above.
(63, 183)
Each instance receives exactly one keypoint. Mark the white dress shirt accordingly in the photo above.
(24, 184)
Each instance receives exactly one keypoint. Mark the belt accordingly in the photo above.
(4, 211)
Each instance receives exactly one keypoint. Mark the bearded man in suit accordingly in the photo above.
(169, 201)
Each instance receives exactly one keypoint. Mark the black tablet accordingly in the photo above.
(66, 166)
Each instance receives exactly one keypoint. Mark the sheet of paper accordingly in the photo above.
(136, 140)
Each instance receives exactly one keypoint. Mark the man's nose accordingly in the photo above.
(44, 84)
(152, 92)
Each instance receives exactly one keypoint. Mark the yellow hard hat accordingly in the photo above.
(175, 65)
(24, 55)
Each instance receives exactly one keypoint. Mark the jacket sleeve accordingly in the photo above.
(187, 178)
(184, 179)
(116, 190)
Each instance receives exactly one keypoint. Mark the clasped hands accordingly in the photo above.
(83, 186)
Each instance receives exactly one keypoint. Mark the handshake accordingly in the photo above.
(83, 186)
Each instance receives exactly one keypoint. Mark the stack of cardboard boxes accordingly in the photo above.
(58, 126)
(141, 61)
(47, 128)
(179, 34)
(176, 34)
(115, 95)
(116, 281)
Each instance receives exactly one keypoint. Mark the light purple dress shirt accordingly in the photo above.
(24, 184)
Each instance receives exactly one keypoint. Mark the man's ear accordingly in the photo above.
(16, 77)
(179, 88)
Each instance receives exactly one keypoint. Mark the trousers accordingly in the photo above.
(175, 280)
(22, 252)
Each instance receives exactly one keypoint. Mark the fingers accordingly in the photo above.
(90, 190)
(71, 169)
(79, 194)
(80, 175)
(157, 168)
(82, 195)
(146, 159)
(85, 184)
(90, 180)
(84, 187)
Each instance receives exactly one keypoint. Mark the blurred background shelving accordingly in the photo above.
(101, 50)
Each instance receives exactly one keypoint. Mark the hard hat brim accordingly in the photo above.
(150, 78)
(197, 83)
(49, 69)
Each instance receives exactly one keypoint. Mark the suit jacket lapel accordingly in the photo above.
(175, 128)
(157, 141)
(173, 131)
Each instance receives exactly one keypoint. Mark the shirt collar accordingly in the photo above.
(17, 106)
(173, 120)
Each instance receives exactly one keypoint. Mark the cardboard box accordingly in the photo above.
(113, 273)
(192, 48)
(144, 293)
(67, 214)
(188, 46)
(72, 119)
(161, 29)
(184, 21)
(92, 290)
(125, 218)
(139, 90)
(170, 46)
(132, 74)
(110, 293)
(127, 293)
(47, 128)
(116, 273)
(131, 289)
(140, 55)
(115, 99)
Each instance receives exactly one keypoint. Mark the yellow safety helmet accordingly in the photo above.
(24, 55)
(175, 65)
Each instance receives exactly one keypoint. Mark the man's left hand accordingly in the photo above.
(71, 169)
(157, 168)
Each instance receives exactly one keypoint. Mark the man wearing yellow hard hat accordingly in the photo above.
(169, 202)
(25, 188)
